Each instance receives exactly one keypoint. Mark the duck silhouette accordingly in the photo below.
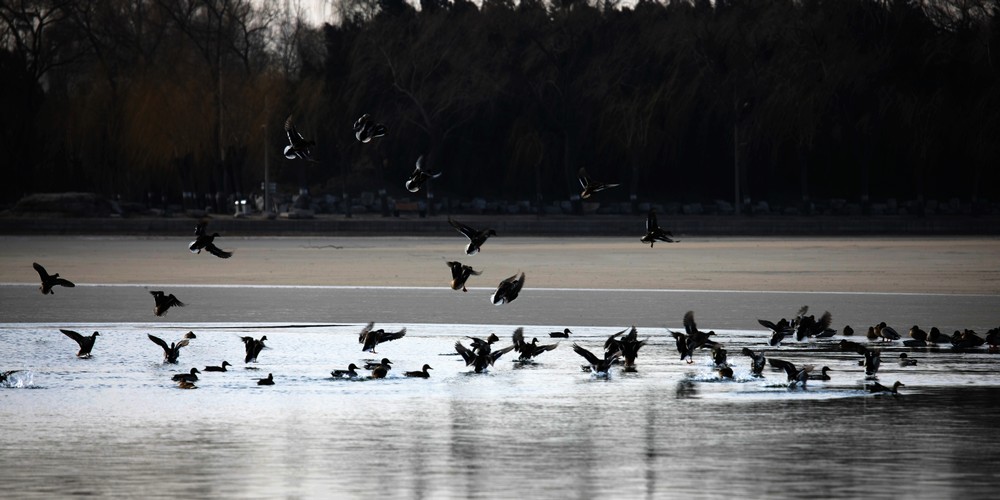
(507, 290)
(50, 281)
(422, 373)
(483, 357)
(205, 241)
(253, 347)
(560, 335)
(598, 366)
(589, 186)
(628, 345)
(460, 274)
(86, 343)
(876, 387)
(350, 372)
(654, 232)
(266, 381)
(380, 370)
(370, 338)
(528, 350)
(220, 368)
(419, 176)
(757, 362)
(191, 376)
(298, 146)
(365, 129)
(476, 238)
(170, 352)
(164, 302)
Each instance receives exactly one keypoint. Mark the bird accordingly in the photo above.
(935, 336)
(796, 375)
(847, 331)
(370, 338)
(589, 186)
(164, 302)
(50, 281)
(966, 339)
(598, 366)
(476, 238)
(460, 274)
(479, 344)
(654, 232)
(419, 176)
(887, 332)
(187, 377)
(350, 372)
(873, 359)
(171, 352)
(422, 373)
(719, 355)
(779, 330)
(220, 368)
(380, 370)
(266, 381)
(507, 290)
(905, 360)
(692, 339)
(371, 365)
(482, 358)
(86, 343)
(365, 129)
(184, 384)
(917, 333)
(298, 146)
(808, 326)
(821, 376)
(205, 241)
(628, 345)
(5, 375)
(757, 362)
(527, 350)
(725, 372)
(253, 347)
(876, 387)
(560, 335)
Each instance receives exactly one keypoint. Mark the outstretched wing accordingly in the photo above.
(466, 354)
(364, 332)
(41, 271)
(73, 335)
(462, 228)
(158, 341)
(495, 355)
(689, 324)
(390, 336)
(768, 324)
(218, 252)
(582, 177)
(518, 339)
(589, 356)
(64, 282)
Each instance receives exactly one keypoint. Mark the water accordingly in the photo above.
(116, 425)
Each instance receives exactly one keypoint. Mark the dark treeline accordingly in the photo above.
(676, 100)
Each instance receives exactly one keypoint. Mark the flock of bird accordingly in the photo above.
(621, 348)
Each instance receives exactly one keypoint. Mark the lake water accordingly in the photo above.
(116, 425)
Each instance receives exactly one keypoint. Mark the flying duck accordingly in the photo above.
(628, 345)
(253, 348)
(876, 387)
(476, 238)
(460, 274)
(422, 373)
(482, 358)
(86, 343)
(298, 146)
(507, 290)
(560, 335)
(371, 338)
(598, 366)
(350, 372)
(589, 186)
(164, 302)
(419, 176)
(171, 352)
(528, 350)
(365, 129)
(266, 381)
(187, 377)
(221, 368)
(779, 330)
(692, 339)
(654, 232)
(50, 281)
(757, 362)
(205, 241)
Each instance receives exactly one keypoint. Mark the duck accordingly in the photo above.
(589, 186)
(598, 366)
(917, 333)
(220, 368)
(365, 129)
(422, 373)
(370, 338)
(628, 345)
(876, 387)
(5, 375)
(823, 375)
(847, 331)
(847, 345)
(481, 359)
(872, 334)
(967, 339)
(171, 352)
(808, 326)
(266, 381)
(779, 330)
(192, 376)
(507, 290)
(460, 273)
(86, 343)
(654, 232)
(164, 302)
(205, 241)
(696, 338)
(993, 339)
(757, 362)
(560, 335)
(184, 384)
(419, 176)
(350, 372)
(905, 360)
(527, 350)
(50, 281)
(935, 336)
(487, 343)
(371, 365)
(873, 359)
(253, 347)
(886, 332)
(719, 355)
(725, 372)
(298, 146)
(796, 375)
(476, 237)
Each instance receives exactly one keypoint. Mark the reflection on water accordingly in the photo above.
(116, 425)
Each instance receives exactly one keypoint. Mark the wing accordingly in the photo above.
(420, 164)
(518, 339)
(364, 331)
(582, 176)
(172, 301)
(824, 322)
(495, 355)
(768, 324)
(689, 324)
(218, 252)
(158, 341)
(199, 230)
(781, 364)
(456, 269)
(289, 126)
(466, 354)
(589, 356)
(651, 221)
(462, 228)
(73, 335)
(546, 347)
(64, 282)
(390, 336)
(180, 344)
(802, 312)
(41, 271)
(516, 285)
